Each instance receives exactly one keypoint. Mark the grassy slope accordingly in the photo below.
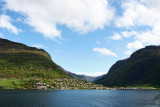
(28, 65)
(20, 61)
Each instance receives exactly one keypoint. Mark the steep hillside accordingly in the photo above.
(141, 69)
(18, 60)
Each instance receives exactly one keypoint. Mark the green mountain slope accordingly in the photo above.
(20, 61)
(141, 69)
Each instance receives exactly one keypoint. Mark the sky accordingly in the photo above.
(82, 36)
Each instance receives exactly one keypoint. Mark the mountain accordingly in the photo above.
(141, 69)
(98, 77)
(82, 77)
(20, 61)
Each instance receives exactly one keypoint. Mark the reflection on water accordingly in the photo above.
(79, 98)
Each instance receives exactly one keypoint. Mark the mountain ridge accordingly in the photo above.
(20, 60)
(14, 47)
(140, 69)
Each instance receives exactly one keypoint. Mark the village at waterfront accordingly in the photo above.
(54, 84)
(69, 84)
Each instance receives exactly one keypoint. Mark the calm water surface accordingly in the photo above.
(80, 98)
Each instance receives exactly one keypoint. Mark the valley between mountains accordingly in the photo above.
(24, 67)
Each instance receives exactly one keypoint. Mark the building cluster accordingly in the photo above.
(69, 84)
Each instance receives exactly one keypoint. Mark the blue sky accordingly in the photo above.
(82, 36)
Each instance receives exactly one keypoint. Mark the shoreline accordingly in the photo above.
(90, 89)
(61, 84)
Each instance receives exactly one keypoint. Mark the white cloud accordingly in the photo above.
(151, 37)
(40, 46)
(152, 3)
(135, 45)
(138, 13)
(104, 51)
(128, 52)
(79, 15)
(146, 37)
(128, 16)
(127, 34)
(5, 22)
(116, 37)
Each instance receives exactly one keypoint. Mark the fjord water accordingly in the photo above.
(79, 98)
